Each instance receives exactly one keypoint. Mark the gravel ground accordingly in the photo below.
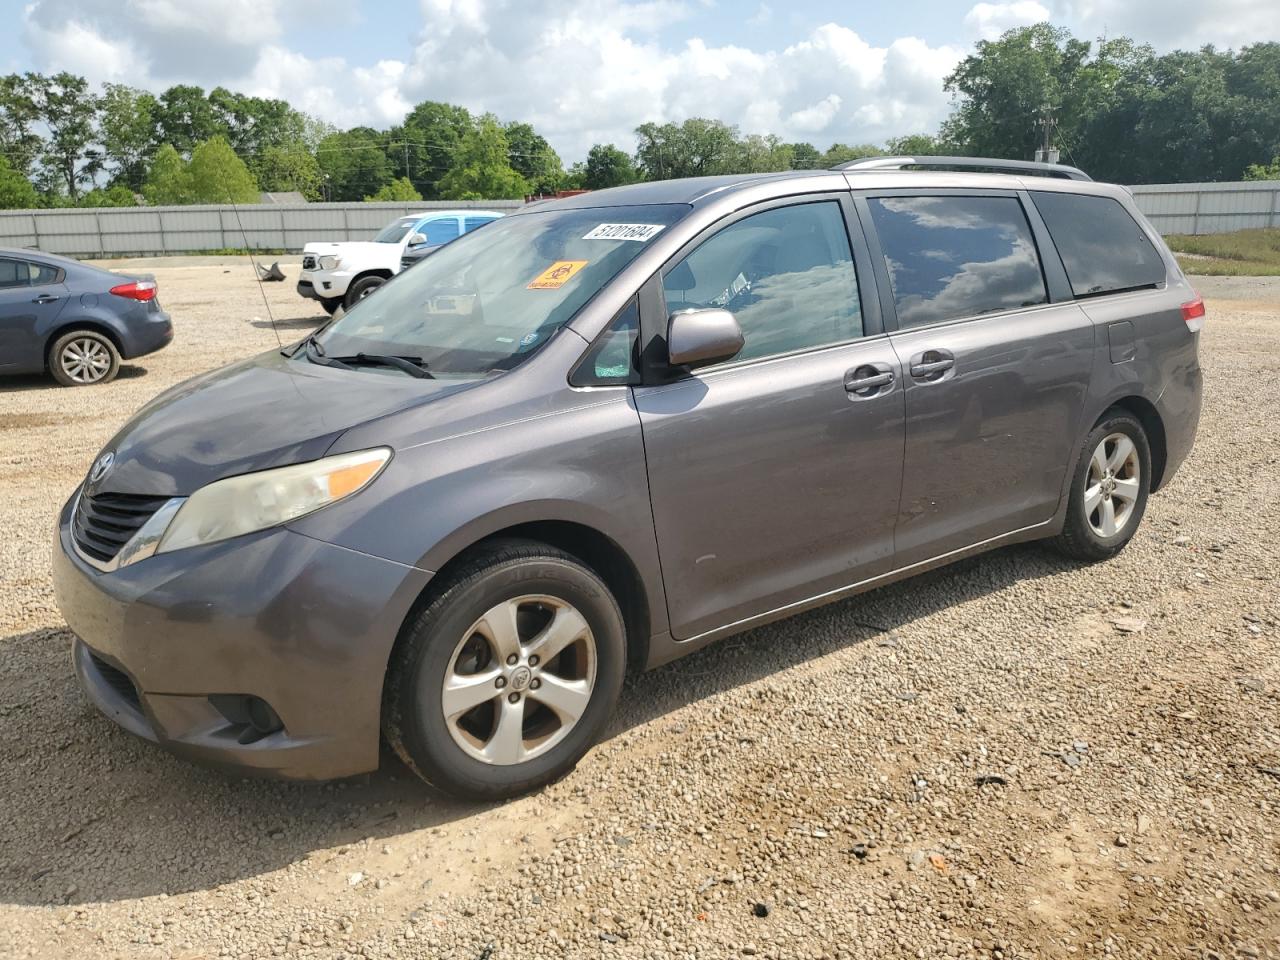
(1014, 757)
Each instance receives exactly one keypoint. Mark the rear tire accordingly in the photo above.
(471, 707)
(1109, 489)
(83, 358)
(361, 289)
(330, 304)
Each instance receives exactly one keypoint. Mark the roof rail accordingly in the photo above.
(988, 164)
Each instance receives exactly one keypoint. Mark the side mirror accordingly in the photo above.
(417, 240)
(696, 338)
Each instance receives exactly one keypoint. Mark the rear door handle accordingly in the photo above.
(45, 298)
(929, 365)
(868, 380)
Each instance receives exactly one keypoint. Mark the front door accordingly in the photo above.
(775, 476)
(995, 374)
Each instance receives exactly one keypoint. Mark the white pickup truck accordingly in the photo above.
(342, 273)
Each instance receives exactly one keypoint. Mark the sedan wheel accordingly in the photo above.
(82, 358)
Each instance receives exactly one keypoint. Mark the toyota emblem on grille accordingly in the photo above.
(101, 466)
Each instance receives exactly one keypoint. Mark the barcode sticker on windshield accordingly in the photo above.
(625, 231)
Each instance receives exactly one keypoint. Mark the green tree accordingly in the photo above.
(424, 147)
(805, 156)
(289, 166)
(844, 152)
(185, 118)
(607, 166)
(916, 145)
(117, 195)
(16, 191)
(698, 147)
(353, 164)
(252, 124)
(68, 110)
(1263, 171)
(532, 157)
(19, 145)
(168, 180)
(760, 154)
(399, 189)
(482, 170)
(128, 132)
(219, 176)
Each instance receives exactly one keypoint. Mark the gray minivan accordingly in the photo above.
(607, 430)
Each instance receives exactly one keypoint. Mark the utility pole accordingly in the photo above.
(1046, 152)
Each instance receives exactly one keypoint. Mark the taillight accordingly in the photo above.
(136, 290)
(1193, 313)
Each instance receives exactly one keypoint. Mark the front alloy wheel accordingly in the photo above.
(520, 679)
(508, 675)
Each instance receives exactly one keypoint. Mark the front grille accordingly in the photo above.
(106, 522)
(117, 680)
(308, 261)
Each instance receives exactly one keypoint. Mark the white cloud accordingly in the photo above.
(1166, 24)
(987, 21)
(582, 73)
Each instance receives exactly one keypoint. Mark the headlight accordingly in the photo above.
(254, 501)
(330, 263)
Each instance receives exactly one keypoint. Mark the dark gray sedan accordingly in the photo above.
(75, 321)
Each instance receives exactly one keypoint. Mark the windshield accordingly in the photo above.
(486, 301)
(394, 232)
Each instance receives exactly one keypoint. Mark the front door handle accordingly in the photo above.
(932, 365)
(868, 380)
(45, 298)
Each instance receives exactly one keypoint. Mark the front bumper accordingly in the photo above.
(324, 284)
(304, 625)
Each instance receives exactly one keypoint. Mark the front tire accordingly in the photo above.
(83, 358)
(1109, 489)
(361, 289)
(503, 682)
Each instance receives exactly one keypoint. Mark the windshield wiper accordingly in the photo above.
(414, 366)
(315, 353)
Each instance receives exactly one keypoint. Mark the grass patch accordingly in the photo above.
(1244, 253)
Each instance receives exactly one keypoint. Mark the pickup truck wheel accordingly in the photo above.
(361, 289)
(331, 304)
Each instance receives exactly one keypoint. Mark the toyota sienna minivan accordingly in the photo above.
(607, 430)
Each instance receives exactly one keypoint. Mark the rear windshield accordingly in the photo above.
(394, 232)
(483, 303)
(1102, 247)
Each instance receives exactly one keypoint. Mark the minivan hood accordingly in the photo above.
(265, 412)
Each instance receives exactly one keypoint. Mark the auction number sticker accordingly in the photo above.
(625, 231)
(557, 275)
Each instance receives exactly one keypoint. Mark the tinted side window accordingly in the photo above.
(952, 257)
(612, 358)
(787, 275)
(440, 231)
(40, 273)
(1102, 247)
(471, 223)
(13, 273)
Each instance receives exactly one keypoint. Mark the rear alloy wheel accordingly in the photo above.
(82, 358)
(509, 675)
(1109, 489)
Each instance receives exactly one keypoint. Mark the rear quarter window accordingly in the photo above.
(1102, 247)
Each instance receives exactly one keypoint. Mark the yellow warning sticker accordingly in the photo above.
(557, 275)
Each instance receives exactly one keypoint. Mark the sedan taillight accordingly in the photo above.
(1193, 313)
(136, 290)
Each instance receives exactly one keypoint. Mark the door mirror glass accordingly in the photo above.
(417, 240)
(696, 338)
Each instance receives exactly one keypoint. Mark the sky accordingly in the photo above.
(587, 71)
